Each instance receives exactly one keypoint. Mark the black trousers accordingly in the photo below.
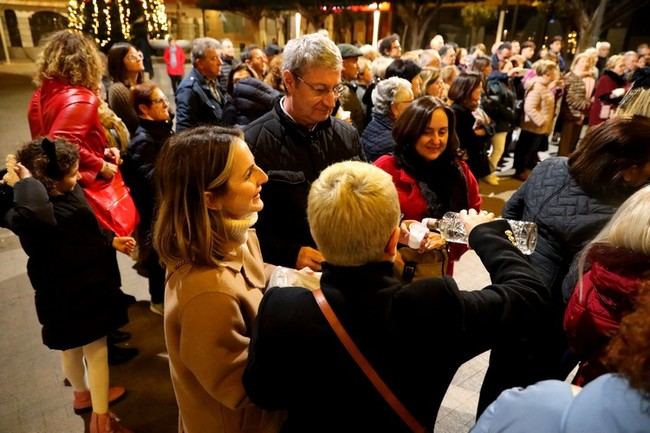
(526, 150)
(176, 80)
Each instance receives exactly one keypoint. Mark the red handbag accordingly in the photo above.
(113, 205)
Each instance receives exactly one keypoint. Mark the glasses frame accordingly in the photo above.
(135, 57)
(159, 100)
(336, 90)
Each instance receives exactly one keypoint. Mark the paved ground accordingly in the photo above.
(33, 398)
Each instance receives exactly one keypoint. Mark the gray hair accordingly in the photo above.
(200, 45)
(308, 51)
(384, 93)
(379, 66)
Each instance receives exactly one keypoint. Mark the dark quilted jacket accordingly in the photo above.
(293, 158)
(253, 98)
(377, 138)
(566, 218)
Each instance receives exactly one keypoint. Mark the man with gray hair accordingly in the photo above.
(294, 142)
(199, 101)
(228, 62)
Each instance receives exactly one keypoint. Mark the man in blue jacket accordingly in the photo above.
(199, 101)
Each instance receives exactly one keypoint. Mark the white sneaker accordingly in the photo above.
(157, 308)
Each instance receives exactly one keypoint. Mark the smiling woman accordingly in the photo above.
(209, 189)
(430, 178)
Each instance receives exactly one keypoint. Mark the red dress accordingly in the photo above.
(414, 205)
(62, 110)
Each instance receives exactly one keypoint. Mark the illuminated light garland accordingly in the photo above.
(96, 19)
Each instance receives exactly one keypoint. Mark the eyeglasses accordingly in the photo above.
(324, 90)
(160, 100)
(135, 57)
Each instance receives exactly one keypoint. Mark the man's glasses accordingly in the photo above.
(321, 90)
(160, 101)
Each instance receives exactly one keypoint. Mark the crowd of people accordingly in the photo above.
(318, 158)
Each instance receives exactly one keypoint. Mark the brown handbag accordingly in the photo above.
(376, 380)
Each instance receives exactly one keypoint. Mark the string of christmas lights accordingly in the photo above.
(111, 20)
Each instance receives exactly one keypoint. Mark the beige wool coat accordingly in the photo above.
(209, 314)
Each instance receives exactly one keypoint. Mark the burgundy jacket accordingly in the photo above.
(595, 310)
(62, 110)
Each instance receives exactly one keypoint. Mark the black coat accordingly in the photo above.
(293, 158)
(196, 105)
(138, 170)
(499, 102)
(72, 265)
(415, 336)
(475, 146)
(253, 98)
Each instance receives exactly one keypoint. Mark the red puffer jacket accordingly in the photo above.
(61, 110)
(595, 310)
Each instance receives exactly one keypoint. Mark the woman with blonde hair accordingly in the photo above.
(610, 89)
(209, 188)
(575, 104)
(539, 109)
(612, 268)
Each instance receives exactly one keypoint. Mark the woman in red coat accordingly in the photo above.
(65, 105)
(175, 60)
(609, 91)
(429, 176)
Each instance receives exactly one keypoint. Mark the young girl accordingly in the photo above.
(73, 268)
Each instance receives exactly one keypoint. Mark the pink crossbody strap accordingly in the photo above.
(365, 366)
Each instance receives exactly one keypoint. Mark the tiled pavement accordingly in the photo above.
(33, 398)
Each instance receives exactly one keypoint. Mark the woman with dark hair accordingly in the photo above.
(570, 200)
(473, 127)
(126, 70)
(430, 178)
(407, 69)
(73, 269)
(155, 128)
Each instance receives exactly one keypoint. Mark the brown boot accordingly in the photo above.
(106, 423)
(82, 402)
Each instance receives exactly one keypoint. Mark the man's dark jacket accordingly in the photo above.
(196, 105)
(293, 158)
(415, 336)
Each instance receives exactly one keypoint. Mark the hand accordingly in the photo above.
(472, 219)
(404, 232)
(113, 155)
(432, 241)
(108, 170)
(618, 92)
(22, 171)
(309, 257)
(124, 244)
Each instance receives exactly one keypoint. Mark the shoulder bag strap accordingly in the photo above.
(365, 366)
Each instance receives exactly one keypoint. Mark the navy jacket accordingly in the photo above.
(377, 139)
(196, 105)
(253, 98)
(567, 218)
